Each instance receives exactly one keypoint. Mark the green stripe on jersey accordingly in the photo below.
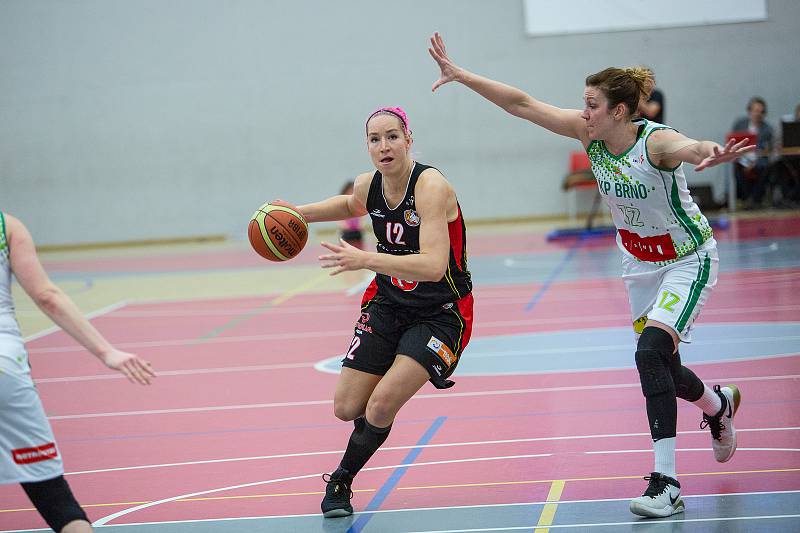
(694, 293)
(3, 240)
(685, 220)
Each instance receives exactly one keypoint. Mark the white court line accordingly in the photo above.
(423, 509)
(94, 314)
(649, 524)
(194, 341)
(441, 445)
(650, 450)
(338, 333)
(220, 370)
(113, 516)
(438, 396)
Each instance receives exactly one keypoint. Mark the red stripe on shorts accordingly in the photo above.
(465, 308)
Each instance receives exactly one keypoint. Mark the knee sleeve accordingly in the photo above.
(55, 502)
(687, 385)
(653, 354)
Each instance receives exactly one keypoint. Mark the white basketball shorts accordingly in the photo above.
(28, 451)
(672, 294)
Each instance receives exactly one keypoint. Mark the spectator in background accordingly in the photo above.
(652, 107)
(751, 170)
(350, 229)
(786, 171)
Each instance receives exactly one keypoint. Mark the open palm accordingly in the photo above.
(439, 54)
(732, 150)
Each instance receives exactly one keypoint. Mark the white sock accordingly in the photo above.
(665, 457)
(709, 402)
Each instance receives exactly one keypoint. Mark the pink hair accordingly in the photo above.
(396, 111)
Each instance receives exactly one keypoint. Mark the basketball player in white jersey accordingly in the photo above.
(28, 453)
(669, 255)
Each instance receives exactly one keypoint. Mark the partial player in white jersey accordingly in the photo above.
(669, 254)
(28, 452)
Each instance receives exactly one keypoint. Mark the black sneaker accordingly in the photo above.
(337, 494)
(662, 497)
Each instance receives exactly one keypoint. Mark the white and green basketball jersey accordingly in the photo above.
(10, 337)
(657, 221)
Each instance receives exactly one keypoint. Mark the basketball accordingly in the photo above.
(277, 231)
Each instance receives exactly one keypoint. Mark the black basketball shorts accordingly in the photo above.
(435, 337)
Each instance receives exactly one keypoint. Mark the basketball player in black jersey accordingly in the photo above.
(416, 315)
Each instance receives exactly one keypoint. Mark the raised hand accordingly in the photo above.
(438, 52)
(136, 369)
(732, 150)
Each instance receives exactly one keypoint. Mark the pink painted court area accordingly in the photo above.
(545, 427)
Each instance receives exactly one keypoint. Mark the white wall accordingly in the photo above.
(128, 120)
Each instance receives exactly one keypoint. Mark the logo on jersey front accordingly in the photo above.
(377, 213)
(442, 351)
(404, 284)
(411, 217)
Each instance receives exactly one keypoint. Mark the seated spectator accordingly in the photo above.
(786, 171)
(751, 171)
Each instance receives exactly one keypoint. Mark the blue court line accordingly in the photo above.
(554, 274)
(387, 487)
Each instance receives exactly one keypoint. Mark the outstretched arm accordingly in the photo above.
(342, 206)
(671, 148)
(567, 122)
(62, 310)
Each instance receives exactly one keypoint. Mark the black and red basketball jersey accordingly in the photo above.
(397, 232)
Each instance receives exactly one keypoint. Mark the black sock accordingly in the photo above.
(364, 442)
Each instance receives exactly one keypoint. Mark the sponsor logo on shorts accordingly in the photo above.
(25, 456)
(411, 217)
(442, 351)
(361, 325)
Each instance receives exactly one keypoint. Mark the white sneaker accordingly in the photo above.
(662, 497)
(723, 434)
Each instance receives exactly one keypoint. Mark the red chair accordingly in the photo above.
(580, 177)
(579, 161)
(737, 136)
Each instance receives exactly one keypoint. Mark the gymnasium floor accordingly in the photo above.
(544, 430)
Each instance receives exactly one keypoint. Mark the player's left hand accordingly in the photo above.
(449, 70)
(344, 257)
(732, 150)
(136, 369)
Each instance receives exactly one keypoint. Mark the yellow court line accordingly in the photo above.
(549, 509)
(186, 500)
(551, 495)
(316, 280)
(278, 300)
